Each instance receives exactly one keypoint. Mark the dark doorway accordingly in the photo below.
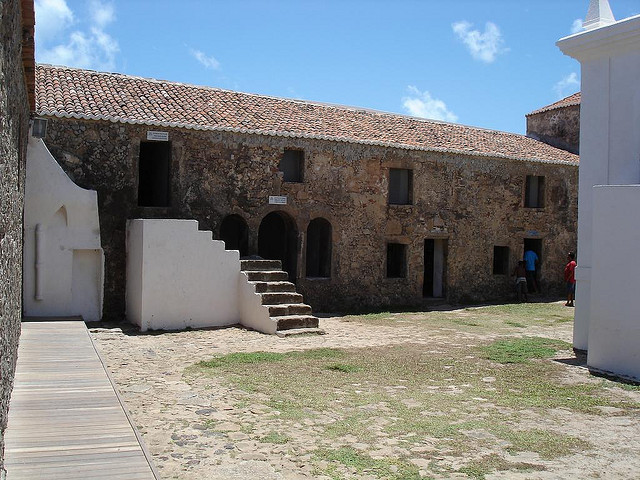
(533, 279)
(435, 254)
(235, 234)
(534, 244)
(154, 174)
(319, 248)
(278, 240)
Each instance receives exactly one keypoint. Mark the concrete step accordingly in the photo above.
(260, 265)
(288, 309)
(289, 322)
(279, 298)
(267, 276)
(273, 287)
(300, 331)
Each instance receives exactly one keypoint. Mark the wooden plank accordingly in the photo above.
(66, 419)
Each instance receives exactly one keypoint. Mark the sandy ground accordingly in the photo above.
(172, 415)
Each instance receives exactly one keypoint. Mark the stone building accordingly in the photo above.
(17, 68)
(557, 124)
(365, 209)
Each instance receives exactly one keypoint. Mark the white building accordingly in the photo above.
(607, 317)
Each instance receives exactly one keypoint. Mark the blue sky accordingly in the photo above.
(480, 63)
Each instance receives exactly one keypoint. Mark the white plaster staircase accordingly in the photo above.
(279, 296)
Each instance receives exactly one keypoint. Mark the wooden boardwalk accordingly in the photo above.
(66, 420)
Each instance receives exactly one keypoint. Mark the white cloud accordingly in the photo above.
(576, 26)
(52, 17)
(102, 14)
(422, 104)
(207, 61)
(567, 86)
(91, 47)
(484, 47)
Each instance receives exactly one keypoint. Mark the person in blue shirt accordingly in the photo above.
(531, 265)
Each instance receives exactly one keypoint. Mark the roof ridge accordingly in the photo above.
(559, 104)
(336, 106)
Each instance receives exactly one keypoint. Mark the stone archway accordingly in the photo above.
(278, 240)
(234, 232)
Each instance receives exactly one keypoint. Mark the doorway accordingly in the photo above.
(435, 255)
(234, 232)
(278, 240)
(533, 279)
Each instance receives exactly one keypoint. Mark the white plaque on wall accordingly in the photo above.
(158, 136)
(277, 200)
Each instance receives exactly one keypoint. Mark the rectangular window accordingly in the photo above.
(400, 186)
(500, 260)
(292, 165)
(396, 260)
(534, 192)
(154, 174)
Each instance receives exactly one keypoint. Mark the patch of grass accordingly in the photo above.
(478, 469)
(240, 358)
(250, 358)
(343, 367)
(521, 350)
(515, 324)
(548, 445)
(275, 437)
(363, 463)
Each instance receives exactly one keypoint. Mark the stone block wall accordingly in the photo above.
(559, 127)
(475, 203)
(14, 125)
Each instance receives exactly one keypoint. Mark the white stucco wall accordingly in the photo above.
(609, 137)
(178, 277)
(614, 330)
(63, 260)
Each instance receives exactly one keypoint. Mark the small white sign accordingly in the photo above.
(277, 200)
(158, 136)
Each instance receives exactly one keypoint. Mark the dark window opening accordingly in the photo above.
(319, 248)
(292, 165)
(534, 192)
(235, 234)
(396, 260)
(154, 174)
(400, 186)
(500, 260)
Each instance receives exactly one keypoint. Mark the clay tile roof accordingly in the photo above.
(569, 101)
(73, 93)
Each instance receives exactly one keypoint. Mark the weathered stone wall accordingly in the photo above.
(559, 127)
(14, 124)
(214, 174)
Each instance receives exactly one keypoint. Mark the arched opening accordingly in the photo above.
(235, 234)
(319, 248)
(277, 240)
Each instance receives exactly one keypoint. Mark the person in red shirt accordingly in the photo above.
(570, 278)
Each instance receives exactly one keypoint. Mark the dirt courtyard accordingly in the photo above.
(383, 396)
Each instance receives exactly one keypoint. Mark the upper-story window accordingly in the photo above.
(292, 165)
(154, 179)
(534, 192)
(400, 186)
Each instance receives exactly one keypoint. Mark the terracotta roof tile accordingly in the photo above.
(73, 93)
(569, 101)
